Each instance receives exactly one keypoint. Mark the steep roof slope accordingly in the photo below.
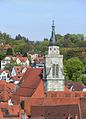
(29, 82)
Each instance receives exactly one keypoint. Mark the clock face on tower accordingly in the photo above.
(55, 61)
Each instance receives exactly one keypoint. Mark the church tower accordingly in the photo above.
(54, 79)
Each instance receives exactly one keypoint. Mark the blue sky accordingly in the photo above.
(33, 18)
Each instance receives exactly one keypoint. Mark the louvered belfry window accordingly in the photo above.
(55, 69)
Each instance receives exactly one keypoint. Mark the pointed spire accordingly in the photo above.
(52, 39)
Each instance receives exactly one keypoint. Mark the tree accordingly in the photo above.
(11, 65)
(41, 47)
(2, 55)
(74, 69)
(45, 39)
(9, 51)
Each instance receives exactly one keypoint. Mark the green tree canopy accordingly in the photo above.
(9, 51)
(74, 69)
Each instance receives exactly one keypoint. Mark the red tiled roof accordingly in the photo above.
(7, 71)
(17, 69)
(29, 82)
(6, 46)
(6, 90)
(11, 112)
(54, 112)
(22, 59)
(39, 60)
(18, 77)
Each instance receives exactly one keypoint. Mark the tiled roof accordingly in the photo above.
(7, 71)
(17, 69)
(22, 59)
(6, 46)
(6, 90)
(18, 77)
(39, 60)
(54, 112)
(11, 112)
(29, 82)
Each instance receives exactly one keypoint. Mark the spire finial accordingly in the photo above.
(53, 22)
(52, 39)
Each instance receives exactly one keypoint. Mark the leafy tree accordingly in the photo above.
(84, 63)
(2, 55)
(59, 39)
(84, 79)
(11, 65)
(74, 69)
(45, 39)
(9, 51)
(41, 47)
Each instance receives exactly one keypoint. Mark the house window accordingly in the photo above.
(4, 77)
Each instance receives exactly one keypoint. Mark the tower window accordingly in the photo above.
(55, 70)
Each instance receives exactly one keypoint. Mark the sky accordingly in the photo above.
(33, 18)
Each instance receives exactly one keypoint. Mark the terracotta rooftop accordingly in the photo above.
(6, 90)
(7, 71)
(39, 60)
(6, 46)
(10, 112)
(22, 59)
(54, 112)
(17, 77)
(17, 69)
(29, 82)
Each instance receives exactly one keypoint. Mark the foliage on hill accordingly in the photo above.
(71, 45)
(21, 44)
(74, 69)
